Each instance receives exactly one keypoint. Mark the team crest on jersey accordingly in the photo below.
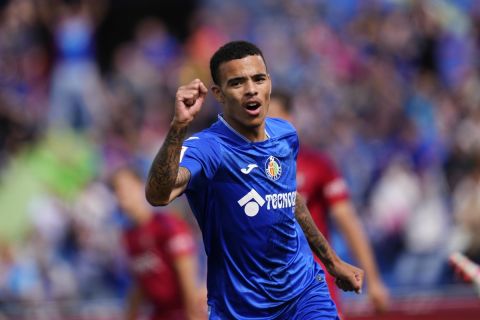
(273, 168)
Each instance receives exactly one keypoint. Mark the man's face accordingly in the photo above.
(244, 91)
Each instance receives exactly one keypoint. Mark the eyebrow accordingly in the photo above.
(243, 78)
(236, 79)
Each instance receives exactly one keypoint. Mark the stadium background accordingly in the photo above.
(389, 88)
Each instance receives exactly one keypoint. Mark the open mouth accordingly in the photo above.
(252, 106)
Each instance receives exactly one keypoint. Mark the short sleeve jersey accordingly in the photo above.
(319, 182)
(243, 196)
(152, 248)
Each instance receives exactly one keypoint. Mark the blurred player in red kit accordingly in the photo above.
(162, 254)
(326, 194)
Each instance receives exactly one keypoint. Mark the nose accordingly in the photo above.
(250, 88)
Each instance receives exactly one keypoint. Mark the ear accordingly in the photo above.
(218, 94)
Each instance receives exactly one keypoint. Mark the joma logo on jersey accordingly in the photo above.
(252, 201)
(273, 169)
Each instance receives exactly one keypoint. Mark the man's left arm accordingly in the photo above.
(347, 277)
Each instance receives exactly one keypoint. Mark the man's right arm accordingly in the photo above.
(166, 180)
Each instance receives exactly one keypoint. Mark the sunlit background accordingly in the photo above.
(389, 88)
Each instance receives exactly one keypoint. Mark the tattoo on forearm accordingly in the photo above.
(162, 176)
(316, 240)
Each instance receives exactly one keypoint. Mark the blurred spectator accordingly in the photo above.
(76, 89)
(162, 256)
(424, 235)
(467, 209)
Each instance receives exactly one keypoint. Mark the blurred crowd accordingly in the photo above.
(389, 88)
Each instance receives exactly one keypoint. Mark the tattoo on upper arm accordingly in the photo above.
(163, 173)
(316, 240)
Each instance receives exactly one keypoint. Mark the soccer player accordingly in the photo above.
(162, 255)
(326, 194)
(239, 176)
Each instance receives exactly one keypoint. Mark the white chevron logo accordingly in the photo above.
(251, 203)
(249, 168)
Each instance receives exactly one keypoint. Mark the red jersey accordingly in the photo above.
(319, 182)
(152, 248)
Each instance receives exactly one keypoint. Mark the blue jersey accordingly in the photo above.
(243, 196)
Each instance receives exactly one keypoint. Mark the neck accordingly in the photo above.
(252, 134)
(257, 135)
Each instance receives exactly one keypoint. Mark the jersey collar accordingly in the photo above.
(236, 133)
